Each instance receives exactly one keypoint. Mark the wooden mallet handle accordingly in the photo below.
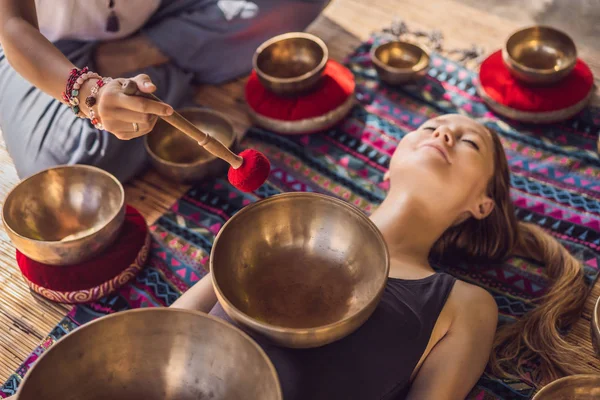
(211, 144)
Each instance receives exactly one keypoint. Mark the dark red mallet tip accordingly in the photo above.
(253, 172)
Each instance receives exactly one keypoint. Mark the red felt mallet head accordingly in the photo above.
(253, 172)
(248, 170)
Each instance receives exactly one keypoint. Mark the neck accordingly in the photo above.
(409, 227)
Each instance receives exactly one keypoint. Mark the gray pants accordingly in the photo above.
(203, 47)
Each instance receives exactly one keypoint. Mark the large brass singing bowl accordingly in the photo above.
(539, 55)
(65, 215)
(153, 354)
(398, 62)
(574, 387)
(301, 269)
(179, 157)
(291, 63)
(595, 325)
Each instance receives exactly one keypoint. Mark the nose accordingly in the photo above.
(445, 134)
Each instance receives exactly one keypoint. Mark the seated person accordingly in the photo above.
(431, 335)
(168, 44)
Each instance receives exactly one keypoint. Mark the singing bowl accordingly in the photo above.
(595, 325)
(65, 215)
(539, 55)
(300, 269)
(153, 354)
(399, 62)
(179, 157)
(291, 63)
(574, 387)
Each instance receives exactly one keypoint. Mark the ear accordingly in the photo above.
(483, 208)
(386, 176)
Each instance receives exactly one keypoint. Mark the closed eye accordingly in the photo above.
(472, 143)
(428, 128)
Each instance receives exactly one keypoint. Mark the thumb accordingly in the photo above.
(144, 83)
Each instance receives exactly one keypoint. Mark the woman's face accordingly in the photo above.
(450, 156)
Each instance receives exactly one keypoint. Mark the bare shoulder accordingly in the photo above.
(474, 304)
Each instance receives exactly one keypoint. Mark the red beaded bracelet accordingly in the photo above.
(69, 94)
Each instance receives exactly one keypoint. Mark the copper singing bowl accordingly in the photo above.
(399, 62)
(539, 55)
(153, 354)
(574, 387)
(177, 156)
(596, 327)
(300, 269)
(65, 215)
(291, 63)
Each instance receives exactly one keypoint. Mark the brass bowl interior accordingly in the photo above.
(542, 49)
(63, 202)
(398, 55)
(299, 261)
(153, 354)
(573, 387)
(290, 57)
(171, 146)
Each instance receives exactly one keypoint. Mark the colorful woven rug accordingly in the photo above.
(556, 184)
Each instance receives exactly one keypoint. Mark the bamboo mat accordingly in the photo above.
(25, 319)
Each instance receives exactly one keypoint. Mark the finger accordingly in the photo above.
(122, 114)
(144, 105)
(144, 83)
(127, 130)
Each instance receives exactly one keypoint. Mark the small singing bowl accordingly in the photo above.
(65, 215)
(573, 387)
(299, 269)
(179, 157)
(292, 63)
(153, 354)
(539, 55)
(595, 325)
(399, 62)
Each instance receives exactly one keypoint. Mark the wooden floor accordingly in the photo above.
(24, 320)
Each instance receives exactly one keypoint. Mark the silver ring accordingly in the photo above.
(136, 127)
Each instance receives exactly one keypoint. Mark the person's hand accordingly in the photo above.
(128, 117)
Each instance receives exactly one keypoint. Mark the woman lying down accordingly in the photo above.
(431, 335)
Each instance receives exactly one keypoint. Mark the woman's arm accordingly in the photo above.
(457, 361)
(38, 61)
(28, 51)
(200, 297)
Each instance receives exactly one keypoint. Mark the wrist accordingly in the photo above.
(84, 92)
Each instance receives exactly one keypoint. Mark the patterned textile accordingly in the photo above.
(555, 178)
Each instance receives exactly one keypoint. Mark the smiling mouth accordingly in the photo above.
(440, 152)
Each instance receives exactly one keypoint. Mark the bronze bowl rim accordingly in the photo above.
(512, 62)
(544, 390)
(211, 157)
(120, 314)
(78, 239)
(285, 36)
(413, 69)
(596, 319)
(250, 321)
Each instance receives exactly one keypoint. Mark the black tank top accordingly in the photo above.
(377, 360)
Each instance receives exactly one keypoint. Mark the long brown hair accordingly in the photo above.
(536, 336)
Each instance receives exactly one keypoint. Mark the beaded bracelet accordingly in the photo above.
(90, 101)
(76, 80)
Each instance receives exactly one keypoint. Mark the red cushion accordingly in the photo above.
(502, 87)
(117, 258)
(334, 89)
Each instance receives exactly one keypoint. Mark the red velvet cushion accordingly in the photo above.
(336, 85)
(502, 87)
(108, 265)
